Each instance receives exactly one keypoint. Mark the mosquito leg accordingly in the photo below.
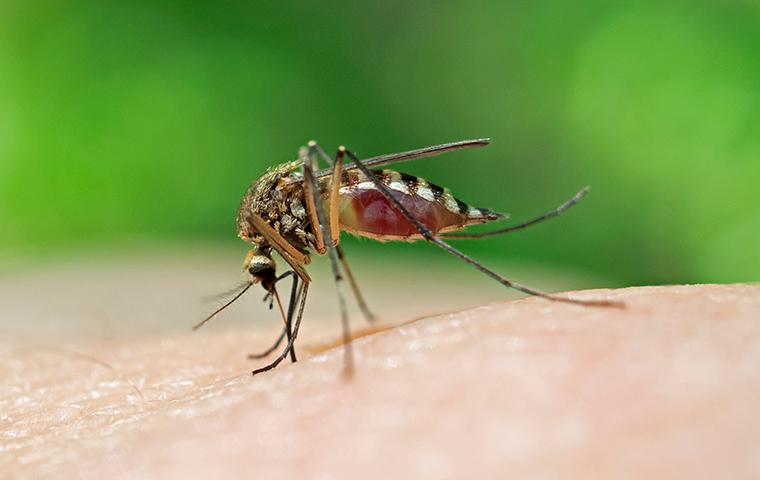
(286, 319)
(335, 226)
(291, 306)
(294, 289)
(324, 155)
(418, 153)
(355, 287)
(265, 353)
(428, 235)
(302, 302)
(315, 203)
(335, 195)
(546, 216)
(312, 196)
(311, 192)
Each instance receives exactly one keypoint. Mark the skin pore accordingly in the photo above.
(666, 388)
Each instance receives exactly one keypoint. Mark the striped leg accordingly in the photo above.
(428, 235)
(355, 287)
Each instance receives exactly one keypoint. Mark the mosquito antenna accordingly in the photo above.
(218, 310)
(546, 216)
(227, 293)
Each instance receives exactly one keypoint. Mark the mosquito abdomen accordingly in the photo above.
(365, 211)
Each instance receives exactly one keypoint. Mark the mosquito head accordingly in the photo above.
(262, 268)
(260, 265)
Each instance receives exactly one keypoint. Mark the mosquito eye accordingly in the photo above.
(257, 268)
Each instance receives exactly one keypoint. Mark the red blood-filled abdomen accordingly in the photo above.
(367, 212)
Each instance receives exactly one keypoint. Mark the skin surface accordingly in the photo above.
(667, 388)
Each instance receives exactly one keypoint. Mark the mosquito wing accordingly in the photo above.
(412, 154)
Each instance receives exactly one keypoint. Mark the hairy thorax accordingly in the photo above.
(278, 198)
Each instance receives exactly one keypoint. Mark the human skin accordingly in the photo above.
(667, 387)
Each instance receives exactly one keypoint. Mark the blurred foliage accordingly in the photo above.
(127, 120)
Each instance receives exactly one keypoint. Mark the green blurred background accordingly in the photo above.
(141, 123)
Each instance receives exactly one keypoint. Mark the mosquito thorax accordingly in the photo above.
(277, 197)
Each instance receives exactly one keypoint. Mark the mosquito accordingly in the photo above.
(295, 209)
